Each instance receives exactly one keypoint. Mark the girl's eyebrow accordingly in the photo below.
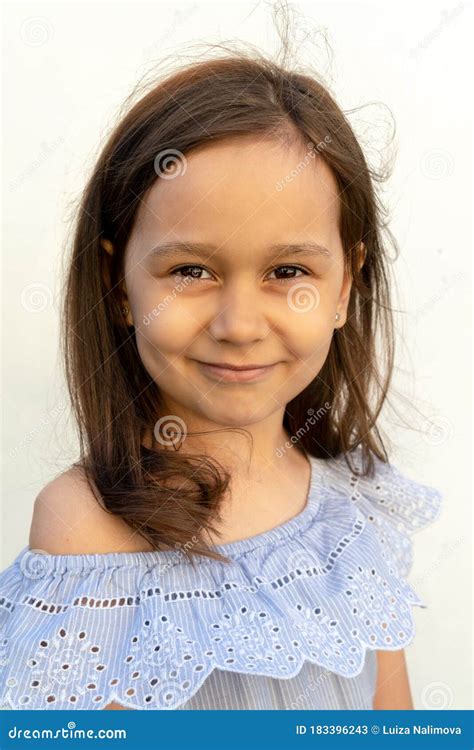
(204, 250)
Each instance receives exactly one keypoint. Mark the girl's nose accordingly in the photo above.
(239, 316)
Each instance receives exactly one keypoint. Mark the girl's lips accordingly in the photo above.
(234, 376)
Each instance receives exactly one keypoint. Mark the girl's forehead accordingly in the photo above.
(244, 187)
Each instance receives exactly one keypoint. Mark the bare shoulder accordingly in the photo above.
(69, 519)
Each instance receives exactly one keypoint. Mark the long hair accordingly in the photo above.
(165, 496)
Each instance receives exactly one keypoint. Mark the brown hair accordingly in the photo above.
(114, 399)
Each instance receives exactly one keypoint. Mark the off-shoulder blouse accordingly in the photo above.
(293, 621)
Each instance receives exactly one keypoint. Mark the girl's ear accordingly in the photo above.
(124, 312)
(362, 251)
(105, 261)
(107, 245)
(347, 285)
(344, 297)
(123, 315)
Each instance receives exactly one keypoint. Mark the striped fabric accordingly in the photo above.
(312, 688)
(292, 621)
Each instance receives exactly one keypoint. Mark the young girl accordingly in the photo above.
(233, 535)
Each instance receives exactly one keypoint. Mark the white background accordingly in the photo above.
(67, 69)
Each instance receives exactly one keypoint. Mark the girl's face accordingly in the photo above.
(263, 288)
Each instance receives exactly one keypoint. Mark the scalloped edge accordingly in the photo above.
(113, 697)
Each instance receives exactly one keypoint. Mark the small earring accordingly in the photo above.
(338, 316)
(125, 310)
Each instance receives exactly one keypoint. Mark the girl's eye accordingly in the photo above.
(181, 271)
(289, 278)
(178, 271)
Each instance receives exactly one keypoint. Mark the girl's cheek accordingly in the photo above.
(160, 312)
(171, 331)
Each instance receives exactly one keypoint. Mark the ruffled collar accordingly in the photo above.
(233, 550)
(324, 586)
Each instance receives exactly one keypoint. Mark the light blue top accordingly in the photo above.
(293, 621)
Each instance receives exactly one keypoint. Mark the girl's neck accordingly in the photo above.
(266, 489)
(254, 506)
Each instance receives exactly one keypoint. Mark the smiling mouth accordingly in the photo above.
(236, 374)
(227, 366)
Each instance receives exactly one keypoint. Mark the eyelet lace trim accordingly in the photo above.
(326, 595)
